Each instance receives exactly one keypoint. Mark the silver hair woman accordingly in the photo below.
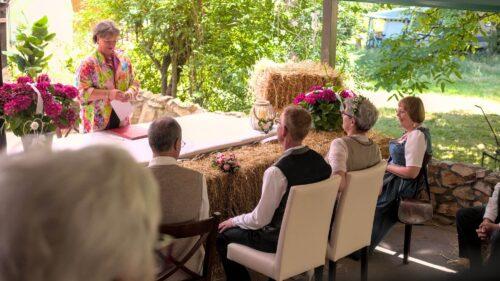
(355, 151)
(66, 216)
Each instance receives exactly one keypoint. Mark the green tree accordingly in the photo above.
(428, 51)
(30, 46)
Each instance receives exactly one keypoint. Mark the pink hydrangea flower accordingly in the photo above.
(17, 104)
(24, 80)
(43, 78)
(299, 98)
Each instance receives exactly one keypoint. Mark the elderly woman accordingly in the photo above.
(407, 156)
(354, 151)
(65, 216)
(104, 76)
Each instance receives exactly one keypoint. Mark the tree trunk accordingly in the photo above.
(164, 74)
(175, 77)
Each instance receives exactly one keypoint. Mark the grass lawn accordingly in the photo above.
(456, 136)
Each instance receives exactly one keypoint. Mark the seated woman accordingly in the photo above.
(354, 151)
(66, 216)
(407, 155)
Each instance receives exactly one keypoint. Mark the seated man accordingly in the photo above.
(476, 224)
(298, 165)
(183, 192)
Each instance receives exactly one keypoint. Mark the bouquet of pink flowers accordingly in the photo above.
(38, 107)
(227, 164)
(324, 104)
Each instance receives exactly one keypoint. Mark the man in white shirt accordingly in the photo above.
(298, 165)
(183, 192)
(476, 224)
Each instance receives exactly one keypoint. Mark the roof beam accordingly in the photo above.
(472, 5)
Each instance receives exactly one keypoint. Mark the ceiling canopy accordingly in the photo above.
(473, 5)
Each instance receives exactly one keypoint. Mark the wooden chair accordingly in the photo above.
(207, 232)
(303, 235)
(353, 219)
(422, 177)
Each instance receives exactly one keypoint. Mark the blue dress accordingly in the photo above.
(394, 187)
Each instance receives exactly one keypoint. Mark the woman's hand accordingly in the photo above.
(116, 94)
(225, 225)
(485, 229)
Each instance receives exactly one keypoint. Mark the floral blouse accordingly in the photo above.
(95, 73)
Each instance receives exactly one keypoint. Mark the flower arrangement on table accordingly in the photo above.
(325, 105)
(226, 163)
(39, 107)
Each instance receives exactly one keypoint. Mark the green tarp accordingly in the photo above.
(474, 5)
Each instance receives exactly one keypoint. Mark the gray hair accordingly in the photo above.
(163, 133)
(104, 28)
(365, 114)
(81, 215)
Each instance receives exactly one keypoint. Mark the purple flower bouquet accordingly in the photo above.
(324, 104)
(39, 107)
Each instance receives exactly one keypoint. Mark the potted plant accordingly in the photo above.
(34, 110)
(324, 104)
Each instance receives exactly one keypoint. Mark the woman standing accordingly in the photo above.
(407, 156)
(104, 76)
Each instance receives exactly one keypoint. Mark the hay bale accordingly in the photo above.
(235, 194)
(280, 83)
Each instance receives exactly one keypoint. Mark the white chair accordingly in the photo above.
(353, 219)
(303, 236)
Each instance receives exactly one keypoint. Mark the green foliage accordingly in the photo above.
(429, 52)
(30, 46)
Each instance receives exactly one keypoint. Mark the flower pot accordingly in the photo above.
(37, 141)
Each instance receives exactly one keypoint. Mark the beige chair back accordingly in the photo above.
(304, 230)
(352, 226)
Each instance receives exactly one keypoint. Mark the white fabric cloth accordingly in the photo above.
(338, 153)
(274, 186)
(491, 211)
(415, 148)
(166, 160)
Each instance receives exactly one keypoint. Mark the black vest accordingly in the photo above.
(300, 166)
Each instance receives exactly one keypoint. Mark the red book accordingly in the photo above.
(131, 132)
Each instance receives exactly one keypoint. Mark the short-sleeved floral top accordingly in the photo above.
(95, 73)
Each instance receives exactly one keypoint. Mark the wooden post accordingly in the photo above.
(3, 47)
(329, 37)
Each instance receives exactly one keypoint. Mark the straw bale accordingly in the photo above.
(234, 194)
(280, 83)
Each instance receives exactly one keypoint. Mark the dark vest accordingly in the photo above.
(300, 166)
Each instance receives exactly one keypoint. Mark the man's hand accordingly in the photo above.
(486, 228)
(225, 225)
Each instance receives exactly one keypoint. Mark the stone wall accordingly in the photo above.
(456, 185)
(149, 106)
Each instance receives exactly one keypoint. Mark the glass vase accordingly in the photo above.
(262, 116)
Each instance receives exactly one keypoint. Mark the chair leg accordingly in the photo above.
(332, 270)
(318, 273)
(364, 264)
(406, 251)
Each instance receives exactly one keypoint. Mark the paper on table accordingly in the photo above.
(122, 109)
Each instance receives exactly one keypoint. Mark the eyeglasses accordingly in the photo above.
(348, 115)
(400, 112)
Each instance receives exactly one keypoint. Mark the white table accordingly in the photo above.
(202, 133)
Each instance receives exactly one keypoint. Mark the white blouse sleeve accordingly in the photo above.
(415, 148)
(337, 155)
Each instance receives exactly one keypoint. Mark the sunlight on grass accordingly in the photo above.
(456, 136)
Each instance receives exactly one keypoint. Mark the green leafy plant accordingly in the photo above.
(30, 56)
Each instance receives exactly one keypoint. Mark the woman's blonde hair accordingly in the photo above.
(77, 215)
(415, 108)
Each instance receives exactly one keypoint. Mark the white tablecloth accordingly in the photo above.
(202, 133)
